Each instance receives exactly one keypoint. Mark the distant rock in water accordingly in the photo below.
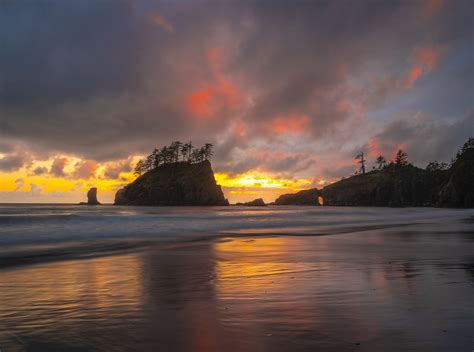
(305, 197)
(179, 183)
(254, 203)
(91, 197)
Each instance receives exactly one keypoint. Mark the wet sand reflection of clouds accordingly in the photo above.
(372, 288)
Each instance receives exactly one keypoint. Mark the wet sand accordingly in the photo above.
(406, 288)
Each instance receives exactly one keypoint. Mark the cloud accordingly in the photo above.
(275, 87)
(40, 170)
(19, 183)
(157, 19)
(12, 162)
(58, 165)
(424, 139)
(85, 169)
(424, 60)
(35, 190)
(114, 169)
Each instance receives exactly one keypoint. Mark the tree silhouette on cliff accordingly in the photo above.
(381, 162)
(174, 153)
(401, 158)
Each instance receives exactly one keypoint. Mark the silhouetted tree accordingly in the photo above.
(185, 152)
(401, 158)
(171, 154)
(189, 147)
(381, 162)
(468, 145)
(436, 166)
(208, 153)
(174, 150)
(139, 168)
(361, 161)
(195, 156)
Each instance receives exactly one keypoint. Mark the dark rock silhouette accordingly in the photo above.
(305, 197)
(254, 203)
(179, 183)
(407, 185)
(91, 197)
(458, 190)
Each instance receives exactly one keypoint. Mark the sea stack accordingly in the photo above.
(91, 197)
(177, 184)
(254, 203)
(305, 197)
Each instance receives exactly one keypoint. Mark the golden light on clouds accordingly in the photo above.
(255, 179)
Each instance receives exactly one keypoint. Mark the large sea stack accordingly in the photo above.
(179, 183)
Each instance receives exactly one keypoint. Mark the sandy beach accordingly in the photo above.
(397, 288)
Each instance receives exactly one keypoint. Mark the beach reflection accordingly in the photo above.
(57, 305)
(370, 291)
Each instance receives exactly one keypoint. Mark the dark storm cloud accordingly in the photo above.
(426, 140)
(12, 162)
(40, 170)
(105, 80)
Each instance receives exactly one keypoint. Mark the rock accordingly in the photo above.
(395, 186)
(178, 183)
(91, 197)
(408, 186)
(458, 191)
(254, 203)
(305, 197)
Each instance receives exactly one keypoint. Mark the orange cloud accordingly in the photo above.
(294, 124)
(214, 57)
(214, 95)
(86, 169)
(58, 165)
(430, 8)
(374, 147)
(206, 102)
(424, 60)
(156, 19)
(239, 129)
(198, 103)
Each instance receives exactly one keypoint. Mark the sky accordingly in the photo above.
(287, 91)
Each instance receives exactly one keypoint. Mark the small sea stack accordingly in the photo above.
(91, 197)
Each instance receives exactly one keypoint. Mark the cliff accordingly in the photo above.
(407, 185)
(305, 197)
(178, 183)
(394, 186)
(458, 190)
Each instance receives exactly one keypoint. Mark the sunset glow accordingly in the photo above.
(282, 111)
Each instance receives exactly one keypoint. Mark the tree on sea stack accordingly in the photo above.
(381, 162)
(401, 159)
(176, 152)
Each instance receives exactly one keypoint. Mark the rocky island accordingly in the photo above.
(165, 178)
